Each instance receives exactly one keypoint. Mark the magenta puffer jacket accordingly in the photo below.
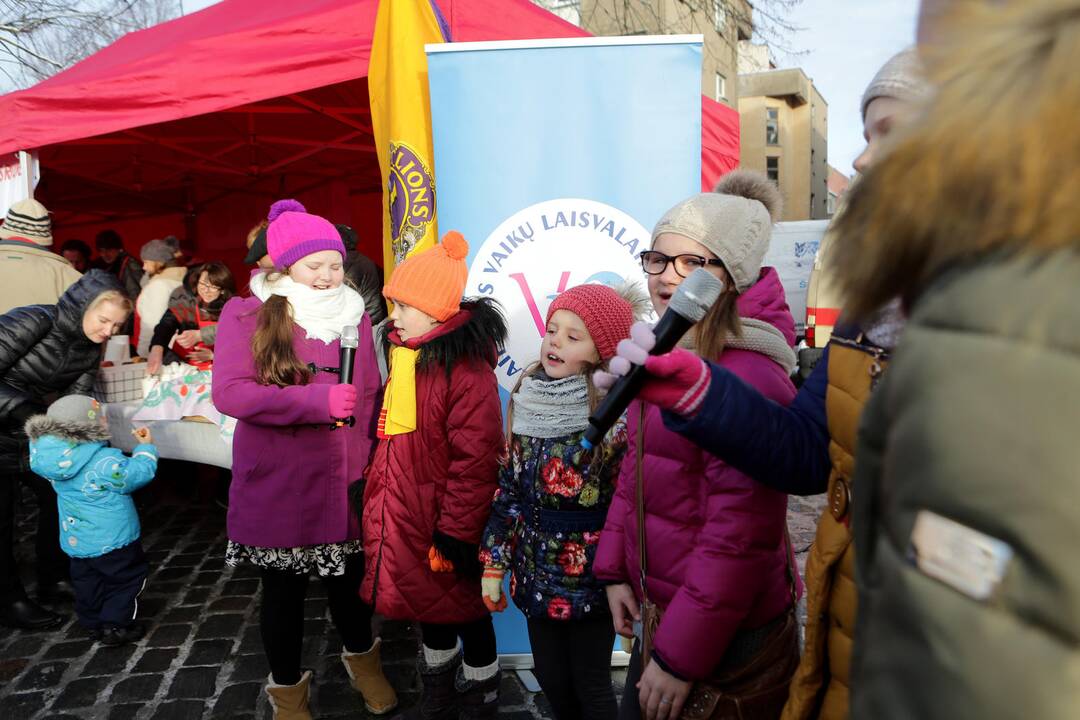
(717, 553)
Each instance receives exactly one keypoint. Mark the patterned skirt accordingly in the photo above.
(323, 560)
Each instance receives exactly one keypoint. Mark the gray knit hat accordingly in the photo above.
(75, 408)
(901, 77)
(157, 251)
(734, 222)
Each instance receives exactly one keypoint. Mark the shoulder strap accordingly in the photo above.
(639, 481)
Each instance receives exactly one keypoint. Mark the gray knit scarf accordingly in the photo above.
(546, 408)
(757, 336)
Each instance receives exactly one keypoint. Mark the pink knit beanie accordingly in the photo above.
(606, 314)
(293, 234)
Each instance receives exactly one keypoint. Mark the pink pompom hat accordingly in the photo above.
(294, 233)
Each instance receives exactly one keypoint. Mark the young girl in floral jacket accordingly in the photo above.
(551, 503)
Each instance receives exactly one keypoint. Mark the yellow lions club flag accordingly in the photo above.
(401, 120)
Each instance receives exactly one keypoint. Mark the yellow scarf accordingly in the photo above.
(398, 415)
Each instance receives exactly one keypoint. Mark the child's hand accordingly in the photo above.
(624, 608)
(342, 400)
(491, 589)
(143, 435)
(437, 562)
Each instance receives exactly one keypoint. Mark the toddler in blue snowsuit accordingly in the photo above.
(99, 526)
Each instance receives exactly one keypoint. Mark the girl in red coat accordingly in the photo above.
(435, 470)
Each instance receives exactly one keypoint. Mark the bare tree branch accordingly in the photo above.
(768, 18)
(17, 49)
(41, 37)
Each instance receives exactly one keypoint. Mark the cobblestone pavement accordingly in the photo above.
(202, 657)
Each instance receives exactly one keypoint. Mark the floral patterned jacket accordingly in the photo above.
(546, 520)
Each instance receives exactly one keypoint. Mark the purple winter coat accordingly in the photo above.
(290, 472)
(716, 546)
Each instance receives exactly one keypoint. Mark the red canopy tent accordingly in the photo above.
(194, 126)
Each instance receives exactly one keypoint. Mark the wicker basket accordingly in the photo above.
(120, 383)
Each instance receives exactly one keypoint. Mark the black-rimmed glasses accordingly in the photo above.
(654, 262)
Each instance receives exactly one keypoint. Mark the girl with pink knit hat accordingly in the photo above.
(429, 487)
(553, 497)
(276, 371)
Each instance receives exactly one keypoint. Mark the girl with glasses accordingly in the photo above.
(714, 587)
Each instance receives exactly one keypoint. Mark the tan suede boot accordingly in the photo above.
(366, 674)
(290, 702)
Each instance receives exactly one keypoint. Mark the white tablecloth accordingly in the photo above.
(176, 439)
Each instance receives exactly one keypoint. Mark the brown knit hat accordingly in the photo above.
(432, 281)
(28, 220)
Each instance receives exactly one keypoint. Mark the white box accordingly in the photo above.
(120, 383)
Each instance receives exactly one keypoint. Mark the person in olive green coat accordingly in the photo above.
(969, 459)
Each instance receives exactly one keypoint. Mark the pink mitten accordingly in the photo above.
(679, 379)
(342, 401)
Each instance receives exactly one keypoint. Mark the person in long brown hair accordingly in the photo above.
(187, 330)
(302, 439)
(968, 505)
(717, 564)
(808, 447)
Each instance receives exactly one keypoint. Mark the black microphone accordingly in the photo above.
(687, 307)
(349, 343)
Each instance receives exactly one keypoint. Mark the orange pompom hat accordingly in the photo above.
(432, 281)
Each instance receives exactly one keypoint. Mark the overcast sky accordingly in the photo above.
(845, 43)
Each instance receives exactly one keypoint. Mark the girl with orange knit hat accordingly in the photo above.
(435, 470)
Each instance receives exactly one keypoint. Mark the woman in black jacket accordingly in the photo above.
(46, 351)
(188, 329)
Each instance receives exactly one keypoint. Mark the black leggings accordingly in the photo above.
(630, 709)
(477, 640)
(50, 562)
(281, 616)
(573, 664)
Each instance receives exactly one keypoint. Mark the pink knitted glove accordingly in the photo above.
(680, 379)
(342, 400)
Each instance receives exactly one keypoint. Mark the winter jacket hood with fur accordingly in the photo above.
(93, 483)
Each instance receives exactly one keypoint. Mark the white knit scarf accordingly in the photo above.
(322, 313)
(546, 408)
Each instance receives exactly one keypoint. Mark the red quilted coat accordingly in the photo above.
(436, 482)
